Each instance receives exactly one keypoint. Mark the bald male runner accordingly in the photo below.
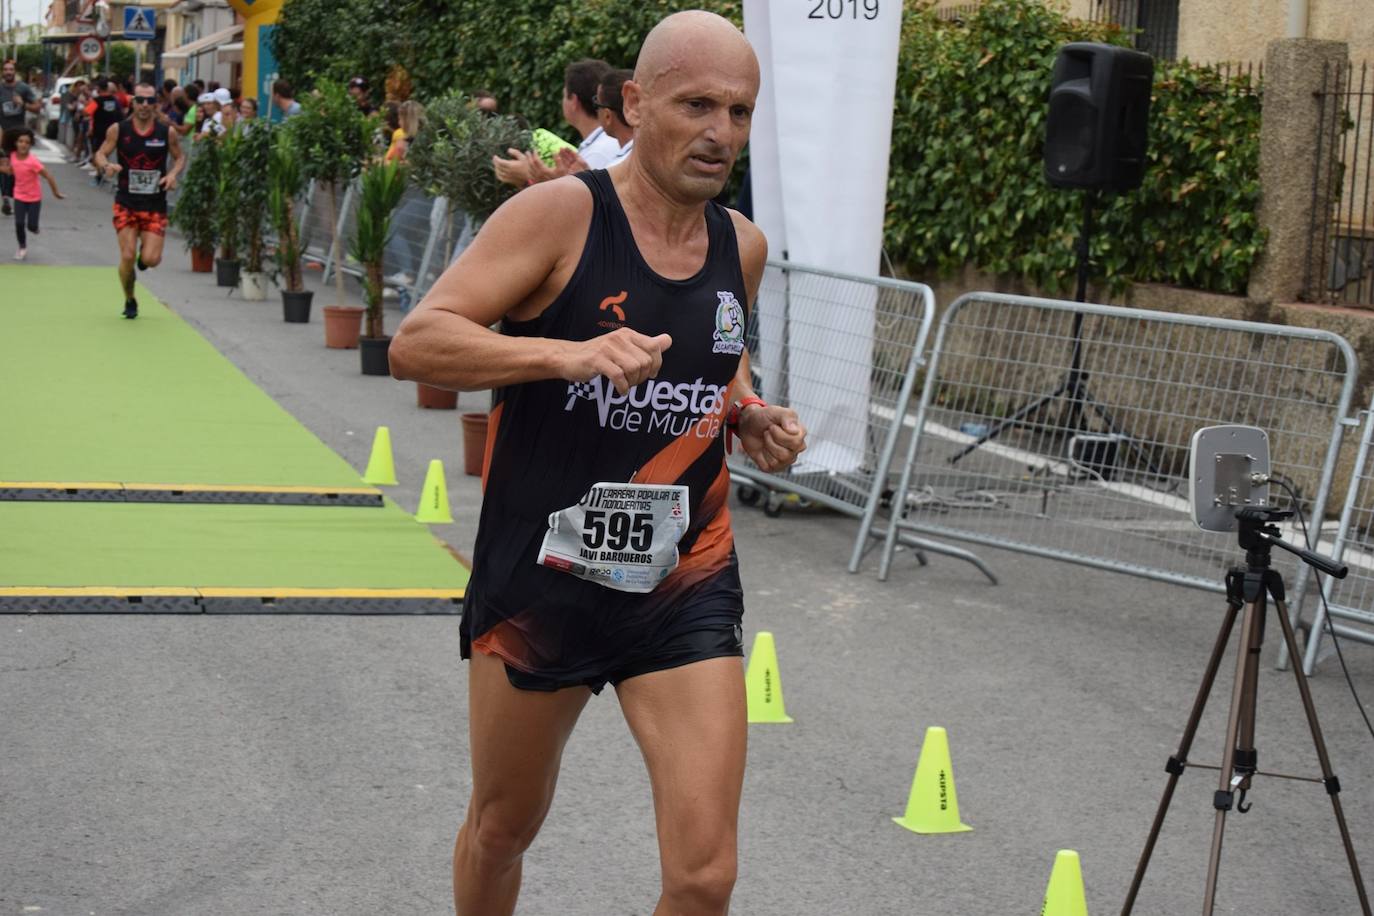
(604, 552)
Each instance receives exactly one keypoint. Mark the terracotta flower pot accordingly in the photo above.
(474, 442)
(202, 260)
(435, 398)
(343, 325)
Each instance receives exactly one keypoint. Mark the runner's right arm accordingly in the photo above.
(517, 265)
(102, 161)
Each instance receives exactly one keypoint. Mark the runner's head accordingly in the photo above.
(18, 140)
(144, 102)
(9, 71)
(691, 102)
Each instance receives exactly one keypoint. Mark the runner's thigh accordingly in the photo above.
(151, 246)
(690, 725)
(517, 739)
(128, 243)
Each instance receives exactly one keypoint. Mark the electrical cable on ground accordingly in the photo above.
(1335, 641)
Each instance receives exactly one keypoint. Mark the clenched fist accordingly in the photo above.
(624, 356)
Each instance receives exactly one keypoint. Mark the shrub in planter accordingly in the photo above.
(332, 137)
(452, 155)
(250, 175)
(285, 181)
(195, 214)
(379, 192)
(229, 225)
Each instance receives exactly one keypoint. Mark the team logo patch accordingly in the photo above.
(729, 333)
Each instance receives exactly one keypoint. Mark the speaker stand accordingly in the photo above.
(1074, 384)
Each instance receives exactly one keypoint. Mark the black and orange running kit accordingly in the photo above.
(140, 201)
(567, 622)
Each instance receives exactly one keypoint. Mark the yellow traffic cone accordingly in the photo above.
(434, 497)
(381, 470)
(762, 685)
(1065, 895)
(933, 806)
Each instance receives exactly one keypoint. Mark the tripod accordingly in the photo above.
(1246, 589)
(1074, 385)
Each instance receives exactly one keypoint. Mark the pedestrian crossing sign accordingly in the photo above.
(140, 23)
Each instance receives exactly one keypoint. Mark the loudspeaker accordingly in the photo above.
(1096, 132)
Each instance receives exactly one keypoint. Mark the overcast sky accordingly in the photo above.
(29, 11)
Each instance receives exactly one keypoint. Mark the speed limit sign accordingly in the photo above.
(90, 49)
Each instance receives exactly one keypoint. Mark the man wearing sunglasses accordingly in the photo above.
(143, 147)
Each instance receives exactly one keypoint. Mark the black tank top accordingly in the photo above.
(144, 161)
(549, 441)
(107, 112)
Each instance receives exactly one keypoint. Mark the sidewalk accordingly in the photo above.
(317, 766)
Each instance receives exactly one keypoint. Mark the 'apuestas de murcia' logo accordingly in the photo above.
(729, 334)
(653, 406)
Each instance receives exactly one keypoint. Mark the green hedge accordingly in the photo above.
(965, 182)
(516, 49)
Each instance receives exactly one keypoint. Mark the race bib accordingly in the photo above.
(144, 181)
(620, 535)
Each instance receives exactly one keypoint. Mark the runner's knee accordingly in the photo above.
(152, 260)
(700, 888)
(500, 838)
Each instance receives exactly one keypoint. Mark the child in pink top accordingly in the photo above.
(19, 161)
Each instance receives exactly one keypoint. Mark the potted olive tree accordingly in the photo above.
(452, 155)
(228, 222)
(250, 171)
(333, 138)
(196, 213)
(284, 182)
(379, 191)
(451, 158)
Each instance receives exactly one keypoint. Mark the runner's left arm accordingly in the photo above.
(169, 181)
(52, 183)
(772, 436)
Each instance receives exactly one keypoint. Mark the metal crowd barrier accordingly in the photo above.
(1352, 598)
(844, 351)
(1008, 456)
(425, 234)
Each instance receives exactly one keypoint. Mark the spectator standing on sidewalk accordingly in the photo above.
(104, 111)
(358, 88)
(610, 110)
(17, 99)
(598, 149)
(284, 99)
(23, 168)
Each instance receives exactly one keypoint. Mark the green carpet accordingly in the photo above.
(74, 544)
(91, 396)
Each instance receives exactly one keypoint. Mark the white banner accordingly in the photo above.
(818, 167)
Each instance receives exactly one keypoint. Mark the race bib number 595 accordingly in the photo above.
(620, 535)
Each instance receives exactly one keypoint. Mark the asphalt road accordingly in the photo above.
(318, 765)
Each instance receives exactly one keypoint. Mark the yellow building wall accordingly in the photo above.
(259, 67)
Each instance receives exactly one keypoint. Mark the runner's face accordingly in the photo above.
(693, 120)
(145, 105)
(9, 72)
(22, 144)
